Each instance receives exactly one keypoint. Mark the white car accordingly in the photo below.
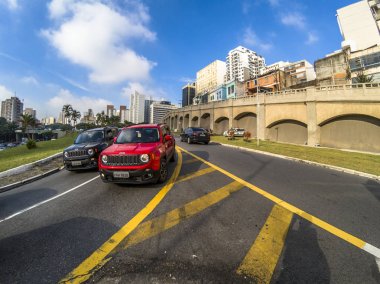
(237, 132)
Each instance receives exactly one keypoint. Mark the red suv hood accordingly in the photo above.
(132, 148)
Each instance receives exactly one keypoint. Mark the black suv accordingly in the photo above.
(195, 135)
(84, 153)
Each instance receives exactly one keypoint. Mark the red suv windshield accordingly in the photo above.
(138, 135)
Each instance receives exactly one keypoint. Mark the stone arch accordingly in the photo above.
(172, 123)
(248, 121)
(205, 121)
(351, 131)
(221, 125)
(288, 131)
(194, 121)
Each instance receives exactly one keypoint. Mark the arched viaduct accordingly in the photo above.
(346, 116)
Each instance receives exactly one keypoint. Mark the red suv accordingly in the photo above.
(139, 155)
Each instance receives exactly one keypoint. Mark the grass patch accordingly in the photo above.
(351, 160)
(14, 157)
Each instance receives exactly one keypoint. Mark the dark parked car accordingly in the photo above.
(195, 135)
(84, 153)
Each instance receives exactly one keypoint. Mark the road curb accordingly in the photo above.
(23, 168)
(29, 180)
(340, 169)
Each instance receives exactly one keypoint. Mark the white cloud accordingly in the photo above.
(156, 93)
(97, 36)
(312, 38)
(5, 93)
(10, 4)
(30, 80)
(251, 39)
(294, 19)
(55, 104)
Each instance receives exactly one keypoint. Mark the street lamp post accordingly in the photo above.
(257, 110)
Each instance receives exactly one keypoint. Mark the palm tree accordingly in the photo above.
(75, 115)
(101, 118)
(26, 121)
(67, 109)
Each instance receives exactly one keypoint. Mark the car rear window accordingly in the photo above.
(199, 129)
(138, 135)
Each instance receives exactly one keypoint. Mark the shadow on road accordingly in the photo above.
(303, 260)
(47, 254)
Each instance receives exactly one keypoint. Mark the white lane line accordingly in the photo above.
(47, 200)
(374, 251)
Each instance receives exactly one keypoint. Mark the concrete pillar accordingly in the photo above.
(230, 115)
(212, 126)
(260, 112)
(313, 129)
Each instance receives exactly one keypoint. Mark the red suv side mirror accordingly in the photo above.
(167, 137)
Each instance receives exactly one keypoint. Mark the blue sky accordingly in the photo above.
(92, 53)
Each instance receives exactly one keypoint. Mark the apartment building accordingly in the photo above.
(280, 65)
(359, 24)
(11, 109)
(31, 112)
(300, 72)
(274, 81)
(367, 62)
(243, 64)
(211, 76)
(158, 110)
(137, 108)
(332, 69)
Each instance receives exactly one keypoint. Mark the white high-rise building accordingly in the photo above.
(158, 110)
(137, 108)
(359, 24)
(243, 64)
(210, 76)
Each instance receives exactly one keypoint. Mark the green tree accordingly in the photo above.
(362, 78)
(27, 121)
(67, 109)
(75, 115)
(101, 118)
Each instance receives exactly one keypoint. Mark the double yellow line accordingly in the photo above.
(261, 259)
(99, 257)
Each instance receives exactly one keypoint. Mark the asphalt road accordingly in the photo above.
(224, 222)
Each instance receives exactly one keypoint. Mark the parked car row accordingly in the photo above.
(135, 154)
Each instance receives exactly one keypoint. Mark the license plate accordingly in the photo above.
(202, 134)
(76, 163)
(121, 174)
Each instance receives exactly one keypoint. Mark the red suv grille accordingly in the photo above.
(122, 160)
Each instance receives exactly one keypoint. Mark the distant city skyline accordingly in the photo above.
(142, 47)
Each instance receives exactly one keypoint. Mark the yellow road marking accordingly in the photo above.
(316, 221)
(190, 161)
(262, 258)
(98, 258)
(168, 220)
(196, 174)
